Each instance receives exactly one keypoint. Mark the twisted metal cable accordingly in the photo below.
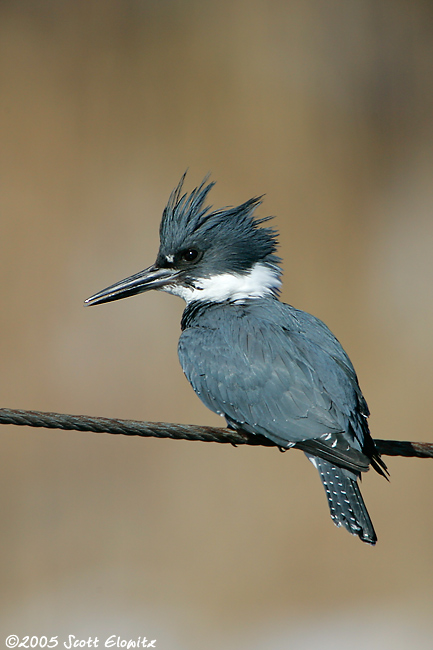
(179, 431)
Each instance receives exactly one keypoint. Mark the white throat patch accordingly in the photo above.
(261, 281)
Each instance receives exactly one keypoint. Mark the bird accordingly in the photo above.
(268, 368)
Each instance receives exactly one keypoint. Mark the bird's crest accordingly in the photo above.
(187, 220)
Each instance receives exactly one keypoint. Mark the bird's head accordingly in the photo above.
(207, 255)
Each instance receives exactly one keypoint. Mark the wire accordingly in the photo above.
(179, 431)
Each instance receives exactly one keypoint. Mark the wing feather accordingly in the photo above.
(278, 372)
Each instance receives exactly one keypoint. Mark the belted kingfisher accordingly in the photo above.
(265, 366)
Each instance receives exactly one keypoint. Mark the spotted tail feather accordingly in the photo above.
(345, 502)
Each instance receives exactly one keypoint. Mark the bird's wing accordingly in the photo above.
(274, 380)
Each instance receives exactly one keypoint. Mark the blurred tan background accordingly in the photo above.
(327, 107)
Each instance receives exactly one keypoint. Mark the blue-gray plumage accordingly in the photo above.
(267, 367)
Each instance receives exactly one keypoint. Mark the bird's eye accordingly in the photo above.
(189, 255)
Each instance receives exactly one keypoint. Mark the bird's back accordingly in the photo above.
(274, 370)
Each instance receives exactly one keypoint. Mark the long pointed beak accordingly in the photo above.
(151, 278)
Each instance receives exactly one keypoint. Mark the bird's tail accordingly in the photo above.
(344, 499)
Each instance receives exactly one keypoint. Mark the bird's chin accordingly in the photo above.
(187, 293)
